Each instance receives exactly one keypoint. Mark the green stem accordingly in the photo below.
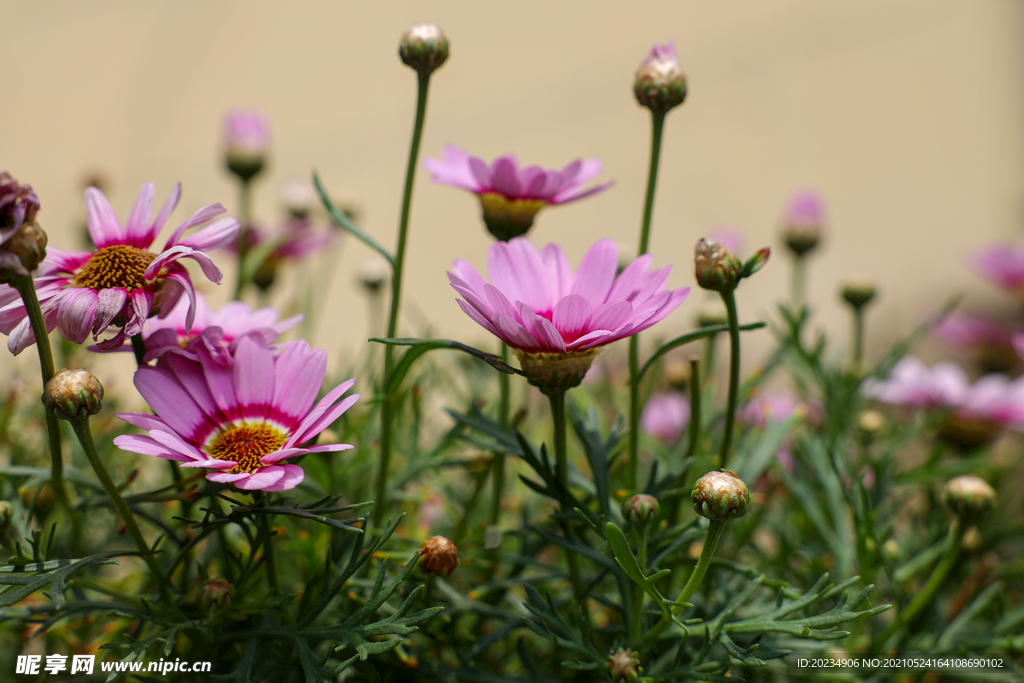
(858, 339)
(692, 434)
(244, 236)
(931, 586)
(638, 598)
(84, 434)
(269, 556)
(26, 287)
(470, 506)
(799, 281)
(387, 412)
(734, 375)
(498, 464)
(562, 483)
(706, 554)
(657, 125)
(139, 349)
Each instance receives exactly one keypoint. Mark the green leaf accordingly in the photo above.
(421, 346)
(57, 576)
(345, 223)
(690, 337)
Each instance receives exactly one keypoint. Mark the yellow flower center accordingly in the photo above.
(246, 444)
(115, 266)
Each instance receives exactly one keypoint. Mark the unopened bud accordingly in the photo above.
(803, 223)
(624, 665)
(891, 550)
(439, 556)
(969, 497)
(424, 47)
(5, 515)
(641, 509)
(870, 422)
(720, 496)
(858, 292)
(23, 252)
(659, 84)
(246, 138)
(215, 593)
(373, 273)
(755, 262)
(299, 197)
(717, 268)
(18, 205)
(71, 393)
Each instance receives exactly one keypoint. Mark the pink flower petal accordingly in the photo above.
(77, 312)
(572, 316)
(596, 273)
(104, 227)
(137, 227)
(293, 476)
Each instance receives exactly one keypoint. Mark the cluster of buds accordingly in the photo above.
(73, 393)
(424, 48)
(858, 292)
(969, 497)
(718, 269)
(659, 85)
(641, 509)
(439, 556)
(720, 496)
(247, 139)
(22, 241)
(624, 665)
(803, 223)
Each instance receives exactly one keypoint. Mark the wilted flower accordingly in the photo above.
(803, 223)
(424, 47)
(659, 84)
(71, 393)
(555, 319)
(241, 421)
(720, 496)
(119, 283)
(511, 196)
(439, 556)
(665, 416)
(219, 331)
(18, 206)
(246, 141)
(23, 252)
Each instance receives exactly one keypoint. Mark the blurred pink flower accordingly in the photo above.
(767, 408)
(987, 338)
(805, 208)
(729, 237)
(241, 422)
(538, 306)
(83, 292)
(1002, 264)
(219, 331)
(246, 131)
(665, 416)
(511, 196)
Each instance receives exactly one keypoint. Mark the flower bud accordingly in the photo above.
(659, 85)
(720, 496)
(624, 665)
(803, 223)
(641, 509)
(246, 138)
(299, 197)
(215, 593)
(23, 252)
(717, 268)
(18, 205)
(71, 393)
(755, 262)
(439, 556)
(969, 497)
(870, 423)
(554, 373)
(858, 292)
(5, 515)
(424, 47)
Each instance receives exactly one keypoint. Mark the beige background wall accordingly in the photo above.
(906, 114)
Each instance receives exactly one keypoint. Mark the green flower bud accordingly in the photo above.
(71, 393)
(23, 252)
(859, 292)
(716, 268)
(624, 665)
(969, 497)
(424, 47)
(641, 509)
(720, 496)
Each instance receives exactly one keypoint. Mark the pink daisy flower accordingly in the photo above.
(511, 196)
(218, 331)
(665, 416)
(87, 292)
(1002, 264)
(243, 422)
(988, 339)
(544, 311)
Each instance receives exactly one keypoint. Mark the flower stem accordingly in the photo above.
(638, 598)
(387, 412)
(139, 348)
(26, 287)
(657, 124)
(84, 434)
(857, 360)
(562, 484)
(931, 586)
(244, 233)
(498, 464)
(799, 281)
(269, 557)
(734, 375)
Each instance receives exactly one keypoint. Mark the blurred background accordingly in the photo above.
(905, 114)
